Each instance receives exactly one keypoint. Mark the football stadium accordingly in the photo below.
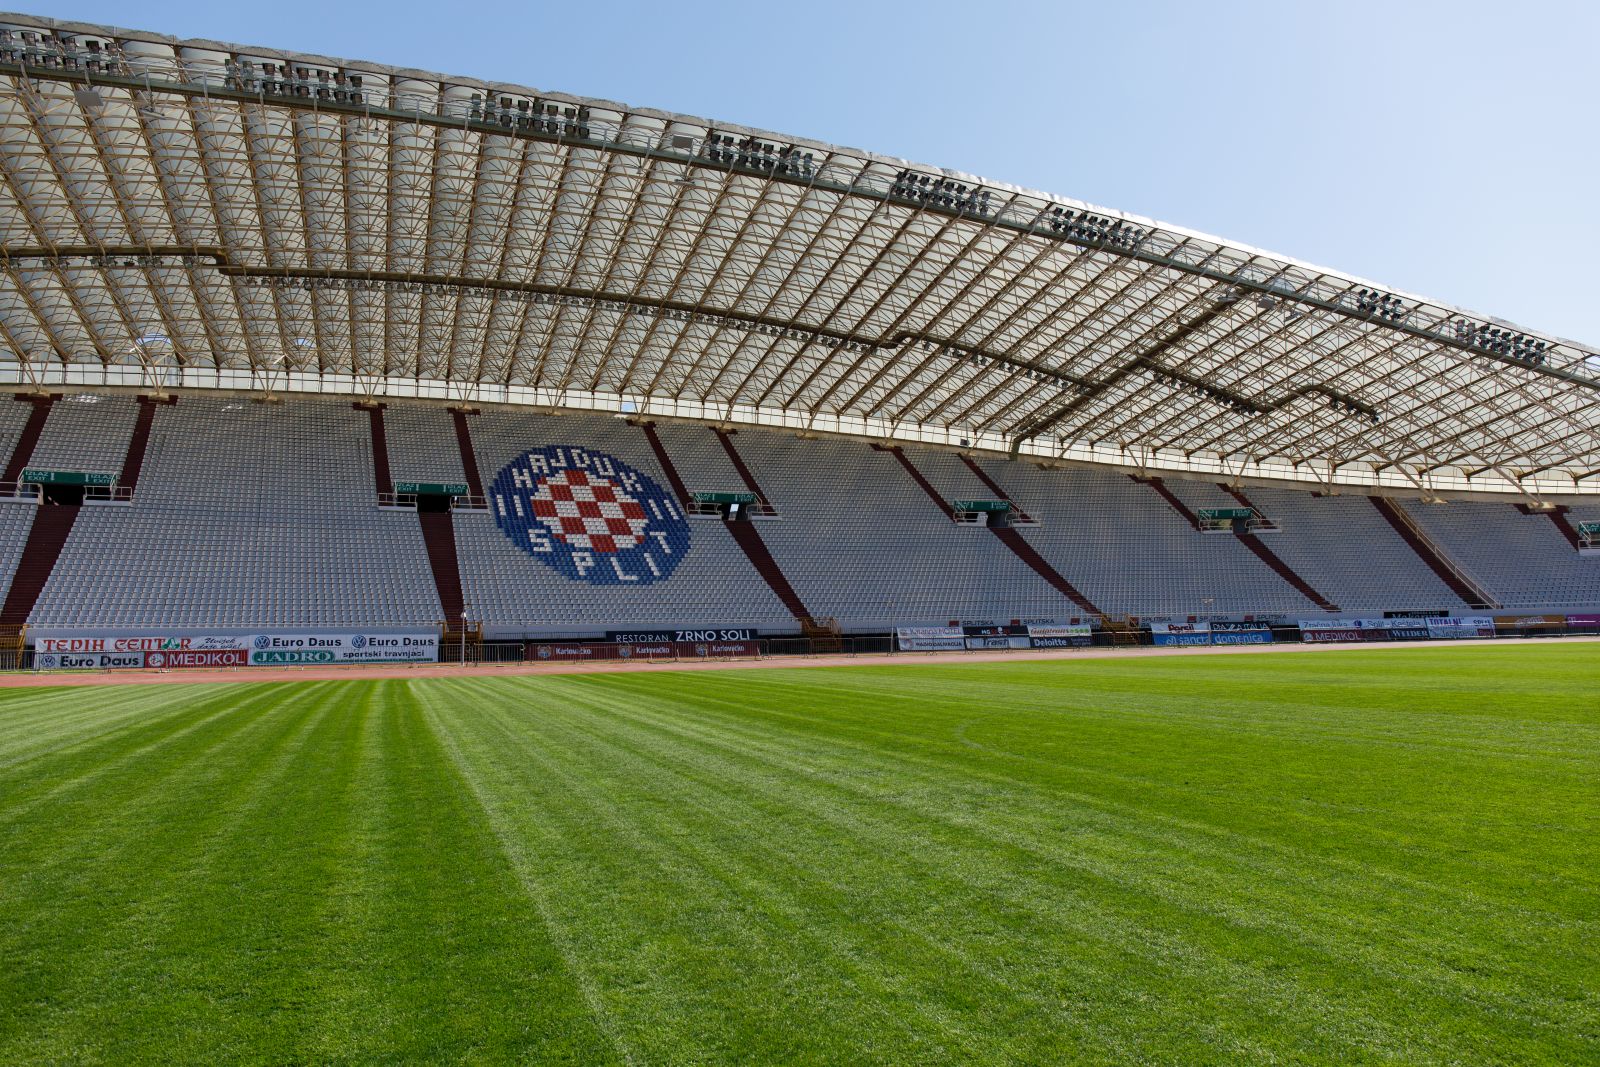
(492, 575)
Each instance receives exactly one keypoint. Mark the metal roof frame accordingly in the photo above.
(189, 214)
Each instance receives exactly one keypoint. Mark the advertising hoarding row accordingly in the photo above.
(667, 637)
(595, 652)
(178, 651)
(1180, 633)
(930, 639)
(1333, 631)
(985, 636)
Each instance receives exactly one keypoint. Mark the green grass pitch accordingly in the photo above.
(1385, 856)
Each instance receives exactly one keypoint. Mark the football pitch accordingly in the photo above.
(1287, 858)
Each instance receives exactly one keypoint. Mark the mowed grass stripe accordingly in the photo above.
(1137, 819)
(236, 909)
(626, 881)
(1476, 985)
(973, 970)
(1291, 858)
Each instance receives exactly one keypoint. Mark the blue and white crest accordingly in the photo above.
(358, 641)
(589, 516)
(262, 641)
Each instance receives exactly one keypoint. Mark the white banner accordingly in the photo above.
(280, 649)
(1467, 626)
(1180, 633)
(930, 638)
(1071, 629)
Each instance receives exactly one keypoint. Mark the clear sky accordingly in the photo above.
(1445, 149)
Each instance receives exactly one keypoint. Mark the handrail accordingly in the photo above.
(1443, 557)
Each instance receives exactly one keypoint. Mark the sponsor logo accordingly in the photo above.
(263, 641)
(358, 641)
(589, 516)
(281, 656)
(46, 662)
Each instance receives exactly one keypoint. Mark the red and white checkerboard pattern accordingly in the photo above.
(589, 512)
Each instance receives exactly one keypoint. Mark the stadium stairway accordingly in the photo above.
(668, 468)
(1006, 535)
(1558, 516)
(1271, 558)
(438, 527)
(139, 442)
(994, 487)
(744, 532)
(52, 525)
(53, 522)
(750, 483)
(439, 535)
(1430, 553)
(1250, 541)
(29, 436)
(469, 458)
(383, 481)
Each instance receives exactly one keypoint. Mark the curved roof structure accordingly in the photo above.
(202, 215)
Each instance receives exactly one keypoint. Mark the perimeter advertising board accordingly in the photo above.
(991, 643)
(1180, 633)
(176, 651)
(659, 637)
(930, 639)
(295, 649)
(1329, 631)
(1465, 626)
(1072, 635)
(1240, 633)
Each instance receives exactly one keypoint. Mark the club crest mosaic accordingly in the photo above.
(589, 516)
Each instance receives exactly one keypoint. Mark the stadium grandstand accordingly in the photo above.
(321, 353)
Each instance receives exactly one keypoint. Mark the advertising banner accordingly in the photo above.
(1584, 622)
(188, 650)
(667, 637)
(179, 659)
(1523, 624)
(190, 659)
(1072, 635)
(298, 649)
(1328, 631)
(717, 649)
(86, 661)
(930, 639)
(996, 642)
(1180, 633)
(1240, 633)
(145, 643)
(1413, 630)
(1467, 626)
(572, 652)
(994, 630)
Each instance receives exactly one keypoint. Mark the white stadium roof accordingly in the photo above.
(200, 215)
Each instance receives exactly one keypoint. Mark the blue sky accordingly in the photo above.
(1446, 149)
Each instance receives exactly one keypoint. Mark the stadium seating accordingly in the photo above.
(1131, 553)
(246, 514)
(1345, 548)
(422, 444)
(714, 584)
(85, 432)
(1521, 560)
(251, 514)
(862, 543)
